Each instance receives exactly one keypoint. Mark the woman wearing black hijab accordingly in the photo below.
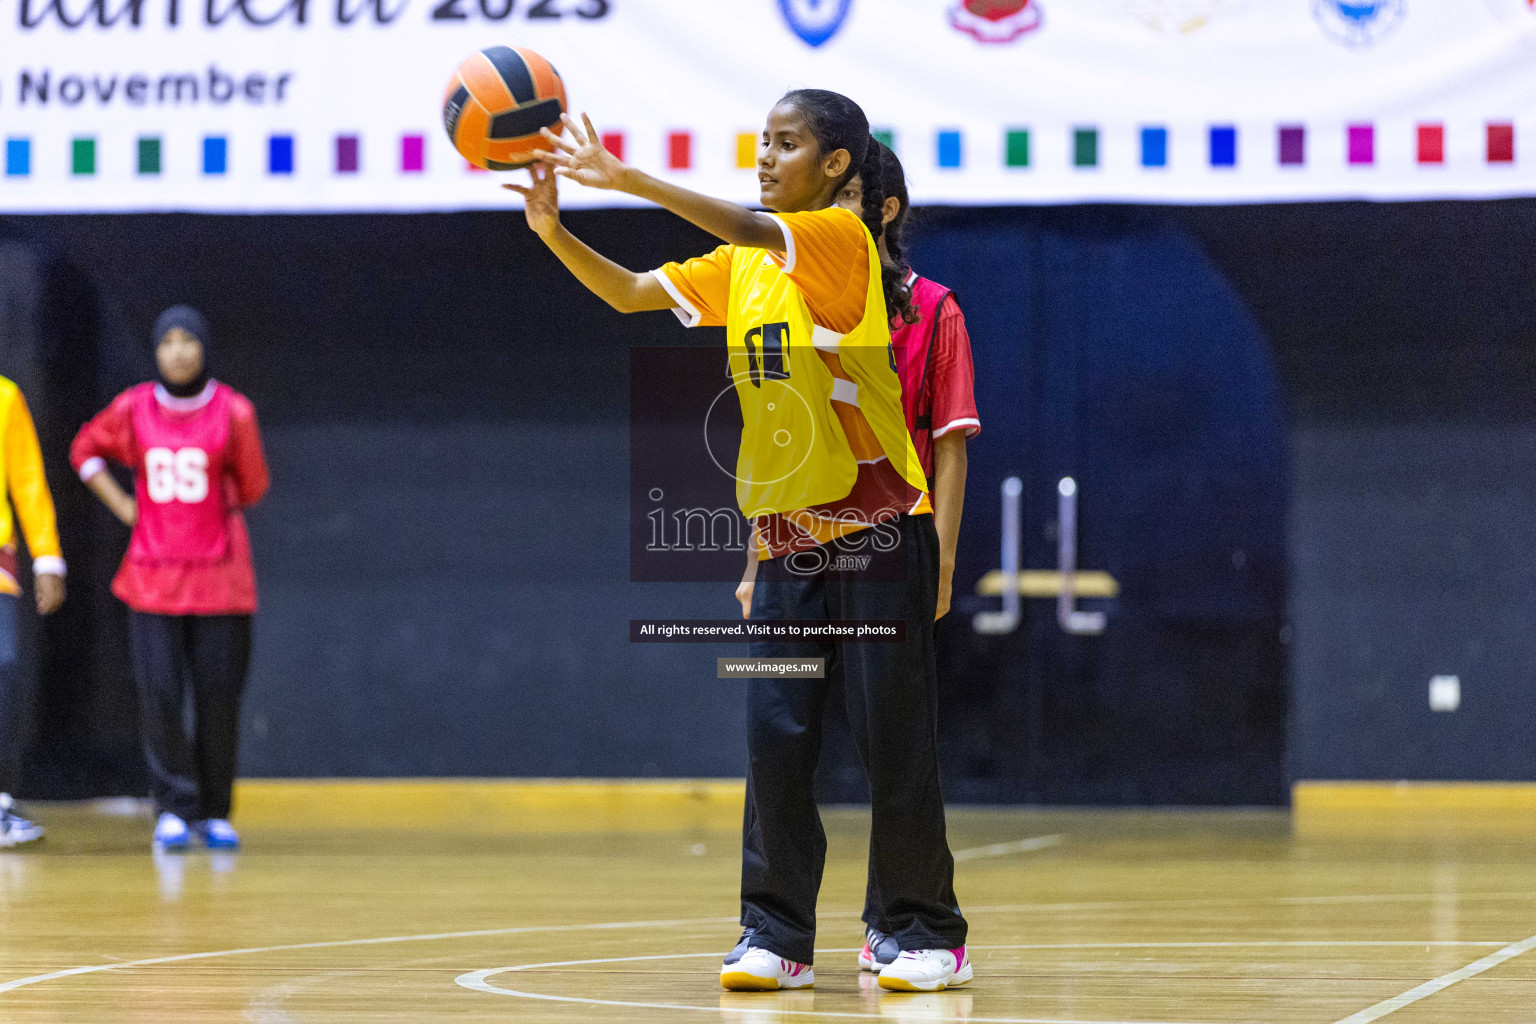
(195, 452)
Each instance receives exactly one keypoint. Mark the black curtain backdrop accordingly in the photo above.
(443, 558)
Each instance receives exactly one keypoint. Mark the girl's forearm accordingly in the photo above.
(105, 487)
(749, 574)
(949, 471)
(620, 287)
(725, 220)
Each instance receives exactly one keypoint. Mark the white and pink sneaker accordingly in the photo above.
(927, 970)
(759, 970)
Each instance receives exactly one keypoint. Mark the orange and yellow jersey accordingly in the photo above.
(21, 467)
(825, 449)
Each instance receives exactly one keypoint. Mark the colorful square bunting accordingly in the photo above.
(949, 149)
(1085, 147)
(83, 156)
(885, 136)
(1293, 145)
(413, 154)
(215, 154)
(149, 155)
(679, 151)
(1431, 143)
(18, 158)
(1223, 146)
(348, 154)
(280, 154)
(1362, 144)
(1501, 143)
(1016, 148)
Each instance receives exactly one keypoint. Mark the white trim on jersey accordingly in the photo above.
(968, 421)
(789, 244)
(826, 340)
(48, 565)
(91, 466)
(684, 309)
(192, 404)
(845, 391)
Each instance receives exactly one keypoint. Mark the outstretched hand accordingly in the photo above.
(541, 200)
(583, 159)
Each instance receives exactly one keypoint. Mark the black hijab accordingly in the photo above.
(195, 324)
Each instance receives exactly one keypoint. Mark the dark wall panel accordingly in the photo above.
(452, 599)
(1414, 549)
(445, 539)
(1406, 337)
(1111, 350)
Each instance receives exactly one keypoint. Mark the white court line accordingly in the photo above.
(1242, 901)
(478, 981)
(37, 979)
(1441, 983)
(11, 986)
(1288, 944)
(1005, 849)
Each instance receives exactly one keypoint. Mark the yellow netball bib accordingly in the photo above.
(794, 453)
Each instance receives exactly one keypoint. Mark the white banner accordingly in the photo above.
(335, 105)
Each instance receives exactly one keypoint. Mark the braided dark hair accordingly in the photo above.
(874, 175)
(893, 180)
(836, 122)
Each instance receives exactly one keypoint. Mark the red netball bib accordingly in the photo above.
(179, 479)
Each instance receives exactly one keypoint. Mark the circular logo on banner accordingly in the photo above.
(1176, 17)
(815, 21)
(1359, 22)
(996, 21)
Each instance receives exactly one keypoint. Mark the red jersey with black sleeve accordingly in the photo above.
(938, 378)
(196, 463)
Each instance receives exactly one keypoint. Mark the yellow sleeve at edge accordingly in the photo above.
(26, 480)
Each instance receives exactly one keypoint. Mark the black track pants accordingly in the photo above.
(205, 656)
(16, 693)
(890, 693)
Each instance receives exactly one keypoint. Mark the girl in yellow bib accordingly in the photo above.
(829, 478)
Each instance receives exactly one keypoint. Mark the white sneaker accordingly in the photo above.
(927, 970)
(14, 829)
(170, 833)
(761, 971)
(218, 834)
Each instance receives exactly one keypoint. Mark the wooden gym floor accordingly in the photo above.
(584, 905)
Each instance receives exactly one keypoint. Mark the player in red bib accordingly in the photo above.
(187, 578)
(933, 359)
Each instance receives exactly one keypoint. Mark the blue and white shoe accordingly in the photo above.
(171, 833)
(218, 834)
(14, 829)
(879, 951)
(735, 955)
